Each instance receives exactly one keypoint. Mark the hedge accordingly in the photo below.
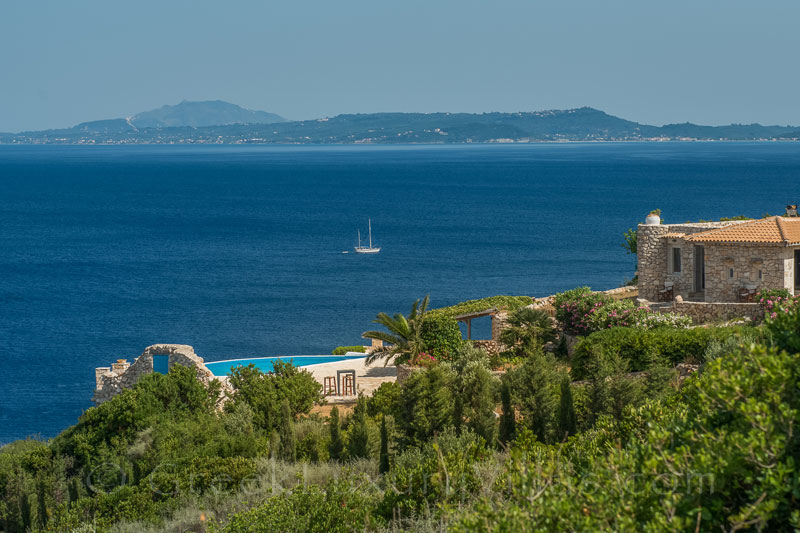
(441, 336)
(341, 350)
(506, 303)
(644, 348)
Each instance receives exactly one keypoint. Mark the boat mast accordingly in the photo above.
(370, 232)
(359, 238)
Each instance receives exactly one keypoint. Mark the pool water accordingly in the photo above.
(223, 368)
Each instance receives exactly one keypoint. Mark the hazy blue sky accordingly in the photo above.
(62, 62)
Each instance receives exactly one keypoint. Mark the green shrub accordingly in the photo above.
(287, 448)
(358, 435)
(508, 422)
(536, 390)
(722, 458)
(385, 399)
(341, 506)
(439, 472)
(336, 443)
(216, 473)
(645, 348)
(527, 329)
(426, 404)
(312, 440)
(342, 350)
(384, 465)
(475, 393)
(264, 393)
(441, 336)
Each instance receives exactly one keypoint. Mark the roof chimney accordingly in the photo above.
(791, 210)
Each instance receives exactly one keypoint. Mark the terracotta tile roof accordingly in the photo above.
(772, 230)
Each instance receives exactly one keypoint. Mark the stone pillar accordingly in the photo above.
(499, 321)
(652, 260)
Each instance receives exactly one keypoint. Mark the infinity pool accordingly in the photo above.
(223, 368)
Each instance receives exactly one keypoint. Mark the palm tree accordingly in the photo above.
(527, 329)
(403, 340)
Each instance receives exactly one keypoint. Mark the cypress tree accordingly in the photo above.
(358, 442)
(73, 490)
(336, 445)
(25, 511)
(274, 444)
(567, 420)
(508, 425)
(42, 505)
(481, 404)
(287, 449)
(383, 466)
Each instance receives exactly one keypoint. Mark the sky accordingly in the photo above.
(703, 61)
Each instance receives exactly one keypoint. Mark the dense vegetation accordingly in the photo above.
(453, 447)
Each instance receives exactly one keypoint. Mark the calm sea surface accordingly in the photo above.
(238, 250)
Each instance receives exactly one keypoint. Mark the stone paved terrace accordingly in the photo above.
(368, 377)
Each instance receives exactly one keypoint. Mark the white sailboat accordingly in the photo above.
(367, 249)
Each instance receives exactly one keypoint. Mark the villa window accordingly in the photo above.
(730, 273)
(760, 274)
(675, 260)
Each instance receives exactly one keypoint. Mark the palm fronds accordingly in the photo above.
(403, 338)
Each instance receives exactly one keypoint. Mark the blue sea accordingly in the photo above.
(238, 250)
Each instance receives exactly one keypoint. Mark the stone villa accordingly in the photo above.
(718, 261)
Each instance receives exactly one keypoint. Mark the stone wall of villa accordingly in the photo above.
(122, 375)
(762, 266)
(653, 249)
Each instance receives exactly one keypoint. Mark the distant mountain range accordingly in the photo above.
(199, 114)
(219, 122)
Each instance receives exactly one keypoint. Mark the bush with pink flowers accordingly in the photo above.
(574, 309)
(423, 360)
(774, 301)
(582, 312)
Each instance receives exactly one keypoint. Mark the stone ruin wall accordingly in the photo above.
(122, 375)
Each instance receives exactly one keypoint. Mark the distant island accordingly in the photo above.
(218, 122)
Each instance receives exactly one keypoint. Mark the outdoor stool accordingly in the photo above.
(329, 386)
(351, 373)
(349, 385)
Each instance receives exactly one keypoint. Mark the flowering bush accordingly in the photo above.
(582, 312)
(621, 313)
(625, 313)
(773, 301)
(423, 360)
(574, 309)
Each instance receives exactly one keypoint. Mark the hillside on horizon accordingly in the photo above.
(201, 113)
(219, 122)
